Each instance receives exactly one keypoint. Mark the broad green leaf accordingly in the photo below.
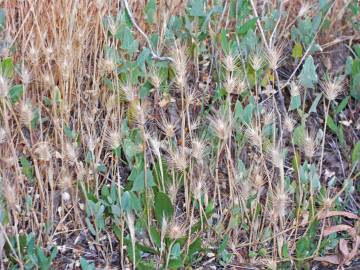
(308, 76)
(27, 168)
(163, 207)
(249, 25)
(197, 8)
(297, 51)
(342, 105)
(175, 263)
(299, 135)
(137, 176)
(315, 103)
(16, 92)
(150, 11)
(128, 43)
(224, 40)
(295, 103)
(195, 247)
(85, 265)
(155, 236)
(7, 68)
(355, 154)
(90, 226)
(2, 18)
(175, 251)
(129, 201)
(355, 79)
(69, 133)
(331, 124)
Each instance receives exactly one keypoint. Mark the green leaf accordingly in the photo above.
(223, 245)
(150, 10)
(224, 40)
(308, 76)
(129, 201)
(16, 92)
(155, 236)
(69, 133)
(195, 247)
(85, 265)
(128, 43)
(249, 25)
(90, 226)
(176, 251)
(7, 68)
(297, 51)
(27, 168)
(355, 154)
(163, 207)
(175, 264)
(342, 105)
(355, 79)
(331, 124)
(315, 103)
(197, 8)
(302, 247)
(137, 176)
(2, 18)
(299, 135)
(295, 103)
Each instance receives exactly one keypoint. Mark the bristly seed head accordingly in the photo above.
(277, 157)
(289, 124)
(198, 149)
(305, 7)
(25, 76)
(220, 126)
(230, 84)
(26, 113)
(43, 151)
(167, 127)
(256, 62)
(4, 87)
(112, 138)
(178, 159)
(128, 93)
(280, 202)
(180, 64)
(176, 230)
(70, 152)
(309, 146)
(254, 136)
(332, 87)
(3, 135)
(295, 89)
(275, 57)
(230, 62)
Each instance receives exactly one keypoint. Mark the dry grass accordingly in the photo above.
(82, 124)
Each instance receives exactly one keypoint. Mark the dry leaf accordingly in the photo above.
(339, 228)
(333, 259)
(343, 248)
(337, 213)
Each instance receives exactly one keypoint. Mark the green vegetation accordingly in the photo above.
(173, 135)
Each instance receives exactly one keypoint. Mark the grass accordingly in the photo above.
(172, 135)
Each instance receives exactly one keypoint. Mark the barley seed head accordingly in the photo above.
(3, 135)
(275, 57)
(220, 126)
(295, 89)
(332, 87)
(4, 87)
(112, 138)
(43, 151)
(176, 230)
